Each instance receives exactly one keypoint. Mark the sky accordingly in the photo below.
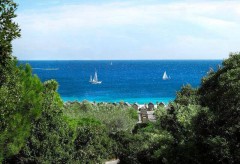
(127, 29)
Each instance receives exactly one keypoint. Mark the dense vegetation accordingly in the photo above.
(202, 125)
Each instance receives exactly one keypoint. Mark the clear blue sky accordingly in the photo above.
(127, 29)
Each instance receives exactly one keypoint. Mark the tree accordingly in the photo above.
(9, 30)
(50, 138)
(220, 92)
(20, 104)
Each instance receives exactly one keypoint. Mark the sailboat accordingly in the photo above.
(165, 76)
(95, 79)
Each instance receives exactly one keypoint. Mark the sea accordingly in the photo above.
(132, 81)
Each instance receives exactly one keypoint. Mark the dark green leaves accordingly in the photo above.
(9, 30)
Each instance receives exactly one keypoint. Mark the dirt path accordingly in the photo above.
(113, 162)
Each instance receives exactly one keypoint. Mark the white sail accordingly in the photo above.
(165, 77)
(90, 80)
(95, 79)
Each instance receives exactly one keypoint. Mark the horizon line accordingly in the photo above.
(109, 59)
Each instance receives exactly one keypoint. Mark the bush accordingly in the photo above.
(115, 118)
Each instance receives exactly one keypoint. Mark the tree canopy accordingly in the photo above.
(9, 30)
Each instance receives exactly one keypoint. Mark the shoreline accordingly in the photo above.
(140, 101)
(127, 104)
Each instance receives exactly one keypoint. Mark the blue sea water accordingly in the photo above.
(129, 81)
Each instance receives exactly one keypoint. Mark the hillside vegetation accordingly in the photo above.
(202, 125)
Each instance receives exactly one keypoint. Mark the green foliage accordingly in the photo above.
(20, 92)
(85, 106)
(90, 137)
(158, 150)
(187, 95)
(93, 124)
(115, 118)
(129, 146)
(92, 143)
(208, 134)
(220, 91)
(132, 113)
(35, 129)
(9, 30)
(50, 137)
(20, 99)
